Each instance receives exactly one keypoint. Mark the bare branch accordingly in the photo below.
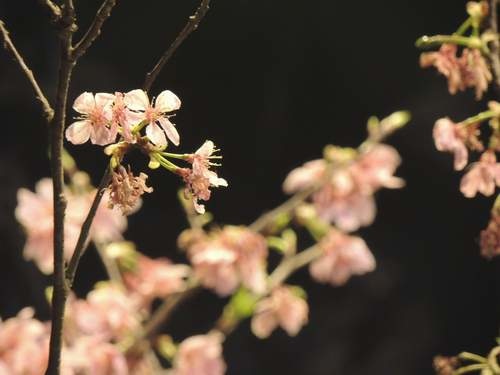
(190, 26)
(54, 10)
(94, 31)
(495, 44)
(9, 46)
(87, 224)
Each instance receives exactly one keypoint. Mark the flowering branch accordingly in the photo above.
(190, 26)
(495, 44)
(93, 32)
(84, 232)
(9, 46)
(60, 290)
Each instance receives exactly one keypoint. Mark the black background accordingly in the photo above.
(271, 82)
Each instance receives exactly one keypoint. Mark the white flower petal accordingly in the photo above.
(85, 103)
(78, 132)
(170, 129)
(156, 135)
(167, 101)
(206, 149)
(103, 99)
(136, 100)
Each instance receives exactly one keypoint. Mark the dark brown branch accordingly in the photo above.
(87, 224)
(190, 26)
(60, 291)
(93, 32)
(9, 46)
(495, 44)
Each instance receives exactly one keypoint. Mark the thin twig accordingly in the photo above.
(60, 291)
(10, 47)
(495, 44)
(190, 26)
(85, 231)
(54, 10)
(93, 32)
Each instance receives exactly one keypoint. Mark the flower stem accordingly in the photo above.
(431, 41)
(464, 26)
(470, 368)
(480, 117)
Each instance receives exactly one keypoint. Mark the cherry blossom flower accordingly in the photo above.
(200, 355)
(35, 213)
(455, 138)
(490, 238)
(305, 176)
(152, 278)
(95, 122)
(282, 308)
(126, 189)
(124, 117)
(482, 177)
(446, 62)
(475, 71)
(154, 114)
(229, 258)
(200, 178)
(343, 257)
(24, 344)
(445, 365)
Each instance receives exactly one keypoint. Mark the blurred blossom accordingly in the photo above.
(482, 176)
(125, 190)
(282, 308)
(200, 355)
(490, 238)
(343, 256)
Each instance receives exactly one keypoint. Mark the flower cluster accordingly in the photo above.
(104, 117)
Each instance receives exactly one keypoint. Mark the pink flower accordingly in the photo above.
(95, 122)
(200, 355)
(35, 213)
(490, 238)
(126, 189)
(343, 257)
(475, 71)
(449, 136)
(123, 116)
(282, 308)
(482, 177)
(229, 258)
(375, 169)
(106, 313)
(304, 177)
(109, 223)
(200, 178)
(154, 278)
(24, 344)
(154, 114)
(446, 62)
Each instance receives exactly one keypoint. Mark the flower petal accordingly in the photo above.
(78, 132)
(156, 135)
(206, 149)
(167, 101)
(85, 103)
(136, 100)
(170, 129)
(104, 99)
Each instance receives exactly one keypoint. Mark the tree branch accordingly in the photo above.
(495, 44)
(9, 46)
(54, 10)
(85, 231)
(94, 31)
(191, 25)
(60, 291)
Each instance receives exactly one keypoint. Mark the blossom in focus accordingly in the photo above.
(482, 176)
(95, 122)
(226, 259)
(35, 213)
(490, 238)
(155, 114)
(200, 178)
(343, 256)
(126, 189)
(123, 116)
(447, 63)
(282, 308)
(152, 278)
(200, 355)
(24, 344)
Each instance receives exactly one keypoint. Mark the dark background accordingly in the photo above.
(271, 82)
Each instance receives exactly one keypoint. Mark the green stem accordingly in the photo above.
(175, 156)
(472, 357)
(470, 368)
(464, 26)
(480, 117)
(431, 41)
